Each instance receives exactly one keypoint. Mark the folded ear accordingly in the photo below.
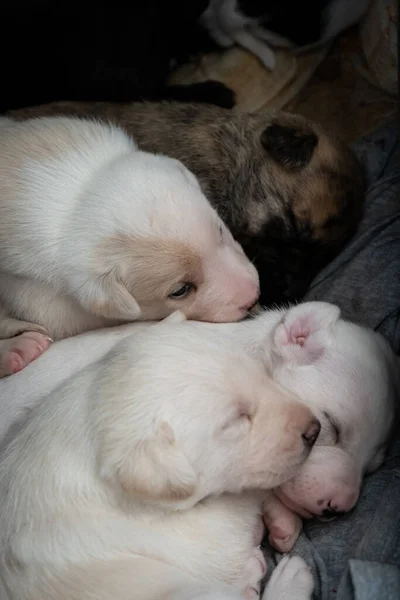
(289, 146)
(157, 470)
(303, 335)
(107, 297)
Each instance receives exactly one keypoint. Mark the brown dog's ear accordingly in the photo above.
(290, 147)
(157, 470)
(107, 297)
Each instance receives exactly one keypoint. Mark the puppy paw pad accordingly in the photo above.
(250, 593)
(17, 352)
(282, 540)
(255, 570)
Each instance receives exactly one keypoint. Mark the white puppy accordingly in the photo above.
(95, 232)
(104, 482)
(349, 376)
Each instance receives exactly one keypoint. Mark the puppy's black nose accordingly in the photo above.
(331, 514)
(312, 432)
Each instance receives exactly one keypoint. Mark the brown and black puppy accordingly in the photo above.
(291, 193)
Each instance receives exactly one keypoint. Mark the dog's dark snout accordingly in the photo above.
(312, 432)
(328, 514)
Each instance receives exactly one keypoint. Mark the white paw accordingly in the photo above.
(255, 570)
(290, 580)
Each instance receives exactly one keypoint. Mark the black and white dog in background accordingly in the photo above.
(259, 24)
(113, 53)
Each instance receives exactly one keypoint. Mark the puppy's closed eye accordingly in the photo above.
(239, 421)
(334, 428)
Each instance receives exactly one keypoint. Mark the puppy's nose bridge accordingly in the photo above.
(311, 433)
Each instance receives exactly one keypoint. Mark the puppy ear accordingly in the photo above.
(291, 148)
(157, 470)
(107, 297)
(304, 332)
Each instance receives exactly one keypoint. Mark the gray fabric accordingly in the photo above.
(364, 280)
(369, 580)
(357, 557)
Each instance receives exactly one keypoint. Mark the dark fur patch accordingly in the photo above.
(290, 147)
(287, 259)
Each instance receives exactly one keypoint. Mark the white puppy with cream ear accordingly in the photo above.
(95, 232)
(346, 374)
(104, 485)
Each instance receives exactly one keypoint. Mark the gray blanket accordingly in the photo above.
(357, 557)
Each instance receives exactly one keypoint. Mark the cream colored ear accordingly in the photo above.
(157, 470)
(107, 297)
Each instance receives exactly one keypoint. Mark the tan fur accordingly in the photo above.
(167, 260)
(10, 327)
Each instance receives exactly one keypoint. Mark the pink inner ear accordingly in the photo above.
(294, 334)
(304, 333)
(298, 333)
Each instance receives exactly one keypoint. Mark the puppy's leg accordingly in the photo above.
(291, 580)
(283, 525)
(20, 343)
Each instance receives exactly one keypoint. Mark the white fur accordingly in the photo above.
(227, 25)
(337, 356)
(339, 368)
(111, 476)
(80, 209)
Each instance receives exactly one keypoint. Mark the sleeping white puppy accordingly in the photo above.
(103, 484)
(350, 378)
(346, 373)
(95, 232)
